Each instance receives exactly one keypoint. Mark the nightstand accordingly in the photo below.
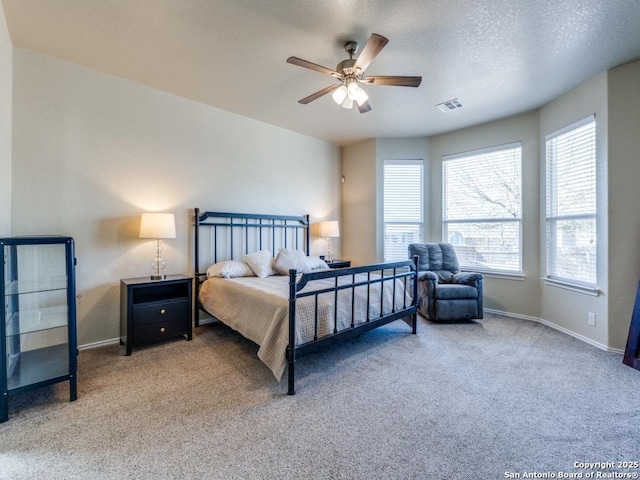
(152, 310)
(339, 263)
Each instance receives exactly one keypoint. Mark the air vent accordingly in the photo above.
(449, 105)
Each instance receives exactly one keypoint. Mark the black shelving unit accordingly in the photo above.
(38, 343)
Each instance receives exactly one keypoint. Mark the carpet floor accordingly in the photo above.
(496, 398)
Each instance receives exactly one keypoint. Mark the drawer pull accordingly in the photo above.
(163, 311)
(162, 330)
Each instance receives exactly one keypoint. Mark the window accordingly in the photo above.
(482, 209)
(571, 203)
(403, 206)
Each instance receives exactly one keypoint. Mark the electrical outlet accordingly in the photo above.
(592, 319)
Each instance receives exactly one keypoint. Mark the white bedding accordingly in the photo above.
(258, 308)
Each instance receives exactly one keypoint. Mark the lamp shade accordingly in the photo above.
(157, 225)
(329, 229)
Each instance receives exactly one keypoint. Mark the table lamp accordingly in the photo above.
(329, 229)
(158, 225)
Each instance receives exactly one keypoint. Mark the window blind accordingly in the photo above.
(482, 207)
(571, 202)
(403, 207)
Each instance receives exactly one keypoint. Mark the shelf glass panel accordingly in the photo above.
(33, 285)
(35, 311)
(33, 268)
(37, 356)
(38, 365)
(33, 320)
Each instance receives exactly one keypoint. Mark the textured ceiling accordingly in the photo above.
(499, 57)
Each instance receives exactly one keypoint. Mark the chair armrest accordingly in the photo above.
(424, 276)
(468, 278)
(427, 282)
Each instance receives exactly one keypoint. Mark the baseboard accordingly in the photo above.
(547, 323)
(559, 328)
(103, 343)
(113, 341)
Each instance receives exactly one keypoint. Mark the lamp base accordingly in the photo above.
(329, 257)
(158, 277)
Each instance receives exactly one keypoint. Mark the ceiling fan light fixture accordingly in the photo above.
(352, 88)
(361, 97)
(339, 94)
(348, 103)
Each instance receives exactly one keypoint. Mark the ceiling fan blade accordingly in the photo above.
(316, 95)
(373, 47)
(318, 68)
(365, 107)
(394, 80)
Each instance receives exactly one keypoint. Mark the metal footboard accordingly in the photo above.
(350, 279)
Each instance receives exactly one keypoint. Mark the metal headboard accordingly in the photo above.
(229, 236)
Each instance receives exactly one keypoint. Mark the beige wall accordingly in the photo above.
(624, 198)
(362, 193)
(564, 308)
(400, 149)
(517, 296)
(92, 151)
(359, 225)
(6, 69)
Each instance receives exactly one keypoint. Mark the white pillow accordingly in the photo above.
(260, 262)
(230, 269)
(296, 259)
(314, 263)
(290, 260)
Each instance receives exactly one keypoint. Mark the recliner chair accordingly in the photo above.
(444, 292)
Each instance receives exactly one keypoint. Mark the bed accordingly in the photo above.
(287, 302)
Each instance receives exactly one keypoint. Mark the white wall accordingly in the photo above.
(623, 197)
(6, 77)
(518, 296)
(565, 308)
(92, 151)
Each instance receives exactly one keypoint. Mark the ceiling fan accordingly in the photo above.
(351, 72)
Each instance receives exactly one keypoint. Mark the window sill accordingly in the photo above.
(505, 276)
(593, 291)
(495, 273)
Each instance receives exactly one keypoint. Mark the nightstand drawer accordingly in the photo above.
(159, 312)
(157, 331)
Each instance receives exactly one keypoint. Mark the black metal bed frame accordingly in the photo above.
(284, 231)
